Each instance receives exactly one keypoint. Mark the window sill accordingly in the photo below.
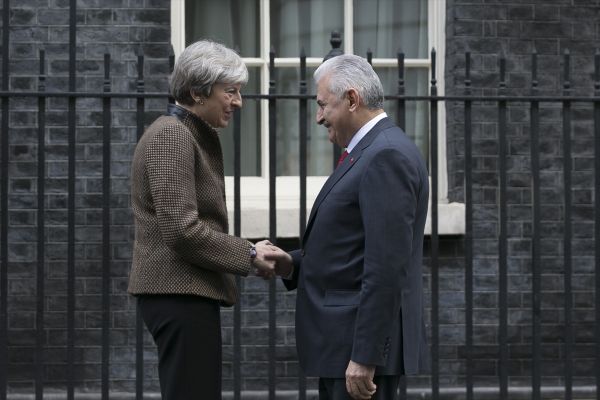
(255, 208)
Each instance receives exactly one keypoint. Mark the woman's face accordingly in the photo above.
(218, 108)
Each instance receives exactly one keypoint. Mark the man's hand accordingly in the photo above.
(278, 261)
(359, 380)
(283, 261)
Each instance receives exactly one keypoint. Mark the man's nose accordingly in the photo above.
(320, 119)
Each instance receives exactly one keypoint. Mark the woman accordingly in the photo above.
(183, 258)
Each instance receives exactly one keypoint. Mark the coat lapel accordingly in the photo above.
(341, 170)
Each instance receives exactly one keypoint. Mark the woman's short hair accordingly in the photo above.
(200, 66)
(349, 71)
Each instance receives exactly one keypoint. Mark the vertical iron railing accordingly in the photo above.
(106, 267)
(597, 212)
(41, 254)
(272, 219)
(567, 235)
(401, 111)
(401, 121)
(502, 236)
(139, 323)
(468, 233)
(302, 124)
(535, 239)
(467, 99)
(4, 207)
(237, 230)
(72, 137)
(4, 213)
(435, 354)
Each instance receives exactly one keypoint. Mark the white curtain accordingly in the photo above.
(235, 23)
(295, 25)
(384, 26)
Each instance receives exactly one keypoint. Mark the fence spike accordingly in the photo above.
(42, 75)
(106, 72)
(400, 58)
(336, 43)
(597, 70)
(336, 40)
(502, 83)
(42, 61)
(534, 81)
(468, 69)
(433, 79)
(566, 71)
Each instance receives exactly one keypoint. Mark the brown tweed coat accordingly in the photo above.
(178, 199)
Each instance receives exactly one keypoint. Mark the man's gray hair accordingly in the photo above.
(200, 66)
(349, 71)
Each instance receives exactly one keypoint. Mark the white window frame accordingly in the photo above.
(255, 190)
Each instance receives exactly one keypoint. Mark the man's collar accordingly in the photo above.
(364, 130)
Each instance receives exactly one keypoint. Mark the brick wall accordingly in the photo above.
(516, 29)
(122, 27)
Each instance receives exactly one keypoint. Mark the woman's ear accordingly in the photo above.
(197, 97)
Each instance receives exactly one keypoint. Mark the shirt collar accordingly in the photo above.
(364, 130)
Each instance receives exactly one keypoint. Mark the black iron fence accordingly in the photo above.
(461, 383)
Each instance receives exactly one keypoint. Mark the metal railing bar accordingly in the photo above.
(284, 96)
(106, 265)
(303, 127)
(272, 224)
(71, 123)
(4, 205)
(597, 212)
(535, 239)
(468, 234)
(502, 240)
(40, 294)
(435, 355)
(237, 230)
(568, 233)
(139, 322)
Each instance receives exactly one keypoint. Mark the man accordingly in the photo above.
(359, 318)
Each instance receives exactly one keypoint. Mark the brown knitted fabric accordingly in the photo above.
(178, 199)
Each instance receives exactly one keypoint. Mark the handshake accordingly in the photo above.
(270, 260)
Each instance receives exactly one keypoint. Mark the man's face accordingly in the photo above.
(333, 114)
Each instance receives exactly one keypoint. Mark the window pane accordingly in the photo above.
(235, 23)
(250, 132)
(416, 112)
(384, 26)
(319, 149)
(305, 23)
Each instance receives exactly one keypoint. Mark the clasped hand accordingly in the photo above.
(271, 260)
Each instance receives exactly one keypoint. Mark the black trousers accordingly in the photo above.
(335, 388)
(187, 332)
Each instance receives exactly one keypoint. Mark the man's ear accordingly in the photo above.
(353, 99)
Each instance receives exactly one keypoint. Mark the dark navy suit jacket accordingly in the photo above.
(359, 273)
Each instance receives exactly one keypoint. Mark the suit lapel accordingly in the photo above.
(340, 171)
